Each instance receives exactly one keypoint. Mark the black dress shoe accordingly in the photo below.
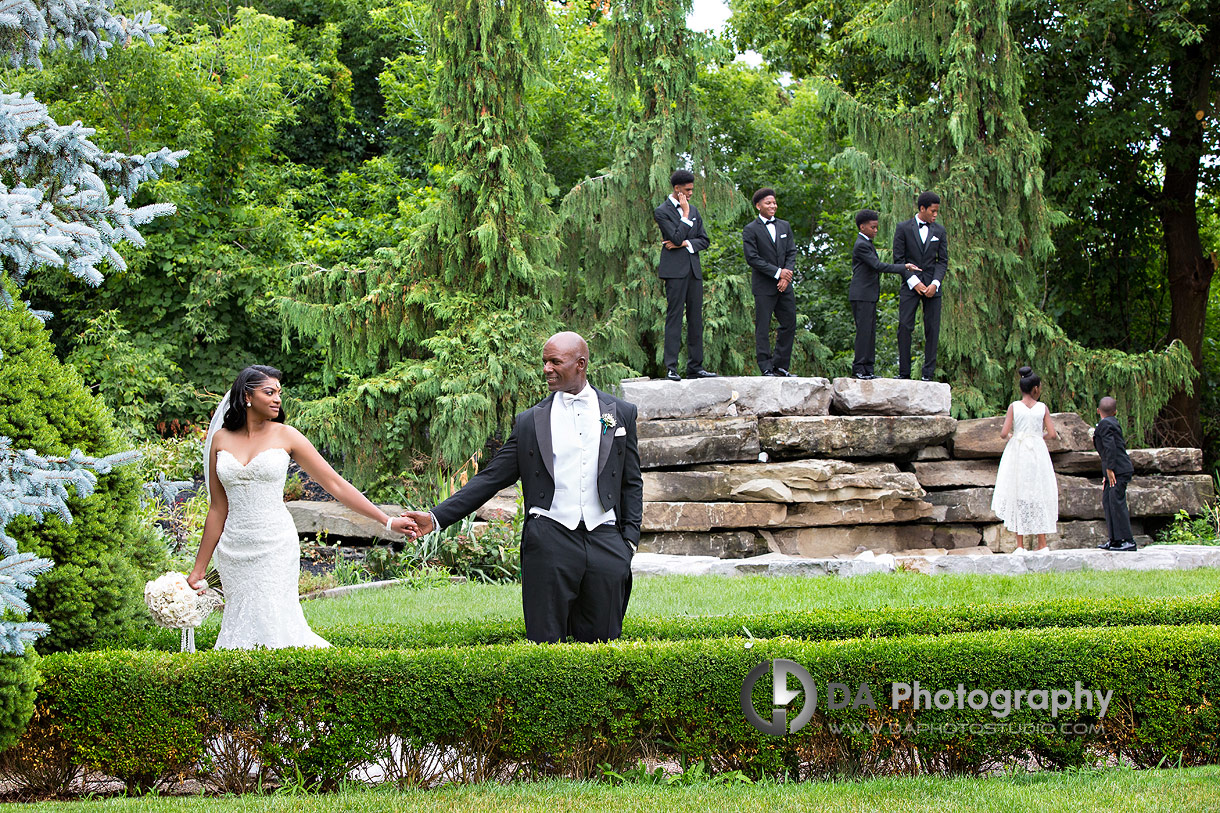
(1105, 545)
(770, 373)
(902, 377)
(672, 375)
(925, 378)
(701, 374)
(864, 376)
(1126, 546)
(782, 373)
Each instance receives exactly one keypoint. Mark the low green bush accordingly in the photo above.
(817, 626)
(470, 714)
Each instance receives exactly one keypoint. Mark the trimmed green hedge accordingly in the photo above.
(467, 714)
(826, 625)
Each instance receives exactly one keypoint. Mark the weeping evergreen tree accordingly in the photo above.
(437, 343)
(611, 291)
(969, 141)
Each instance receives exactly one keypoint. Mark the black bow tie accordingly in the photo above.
(923, 225)
(768, 222)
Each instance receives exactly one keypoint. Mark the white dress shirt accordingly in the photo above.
(770, 224)
(678, 206)
(575, 441)
(925, 231)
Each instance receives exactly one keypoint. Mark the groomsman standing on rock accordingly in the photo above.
(922, 241)
(865, 290)
(771, 253)
(682, 238)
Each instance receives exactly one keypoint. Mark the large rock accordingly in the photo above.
(721, 544)
(890, 396)
(1146, 461)
(852, 435)
(933, 453)
(835, 541)
(856, 512)
(502, 506)
(795, 482)
(1147, 496)
(961, 505)
(726, 397)
(697, 440)
(981, 437)
(336, 519)
(704, 516)
(956, 473)
(956, 537)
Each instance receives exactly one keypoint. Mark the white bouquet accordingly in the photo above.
(175, 604)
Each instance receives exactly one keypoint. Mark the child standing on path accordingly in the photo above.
(1026, 496)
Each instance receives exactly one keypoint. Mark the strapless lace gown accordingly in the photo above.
(259, 557)
(1026, 494)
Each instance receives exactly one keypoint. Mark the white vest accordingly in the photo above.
(576, 439)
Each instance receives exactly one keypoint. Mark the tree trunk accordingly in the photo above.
(1189, 271)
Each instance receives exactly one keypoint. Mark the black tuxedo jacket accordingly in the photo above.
(676, 263)
(866, 271)
(766, 257)
(933, 257)
(527, 456)
(1109, 443)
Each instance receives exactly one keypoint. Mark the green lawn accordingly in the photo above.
(676, 596)
(1190, 790)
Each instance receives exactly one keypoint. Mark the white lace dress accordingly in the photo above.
(259, 557)
(1026, 494)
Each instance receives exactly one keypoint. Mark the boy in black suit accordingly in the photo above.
(922, 241)
(682, 238)
(1117, 470)
(865, 290)
(771, 253)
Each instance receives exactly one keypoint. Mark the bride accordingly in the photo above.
(248, 531)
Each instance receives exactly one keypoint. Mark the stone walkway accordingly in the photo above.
(1154, 557)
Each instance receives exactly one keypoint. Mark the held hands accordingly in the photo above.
(420, 521)
(785, 279)
(405, 526)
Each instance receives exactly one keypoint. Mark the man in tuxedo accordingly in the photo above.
(1116, 474)
(576, 455)
(771, 254)
(865, 290)
(923, 242)
(682, 238)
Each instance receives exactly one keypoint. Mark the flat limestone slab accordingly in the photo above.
(728, 397)
(856, 512)
(686, 442)
(956, 473)
(1155, 557)
(890, 396)
(981, 437)
(336, 519)
(794, 482)
(1170, 460)
(704, 516)
(835, 540)
(853, 436)
(719, 544)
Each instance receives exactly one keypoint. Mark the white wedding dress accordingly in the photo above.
(1026, 496)
(259, 557)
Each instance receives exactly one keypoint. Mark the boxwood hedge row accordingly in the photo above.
(821, 625)
(474, 713)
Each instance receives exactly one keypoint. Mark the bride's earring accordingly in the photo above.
(247, 404)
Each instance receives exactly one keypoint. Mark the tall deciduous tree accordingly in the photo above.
(445, 332)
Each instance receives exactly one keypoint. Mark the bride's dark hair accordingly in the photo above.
(248, 380)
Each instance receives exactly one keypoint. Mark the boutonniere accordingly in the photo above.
(608, 421)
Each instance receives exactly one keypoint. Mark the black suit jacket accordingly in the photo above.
(527, 456)
(1109, 443)
(676, 263)
(767, 257)
(866, 271)
(932, 258)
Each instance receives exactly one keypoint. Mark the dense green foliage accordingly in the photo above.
(314, 716)
(100, 557)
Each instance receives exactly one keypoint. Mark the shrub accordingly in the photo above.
(313, 716)
(102, 556)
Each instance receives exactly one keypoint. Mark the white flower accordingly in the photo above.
(174, 604)
(608, 421)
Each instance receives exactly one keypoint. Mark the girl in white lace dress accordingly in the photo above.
(248, 530)
(1026, 496)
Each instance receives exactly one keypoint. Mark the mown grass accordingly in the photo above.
(678, 596)
(1192, 790)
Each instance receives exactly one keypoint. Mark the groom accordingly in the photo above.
(576, 456)
(923, 242)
